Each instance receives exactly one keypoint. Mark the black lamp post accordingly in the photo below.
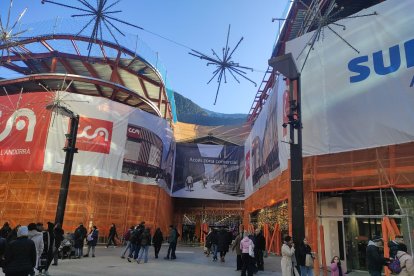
(286, 65)
(70, 150)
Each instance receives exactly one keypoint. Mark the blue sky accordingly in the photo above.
(199, 24)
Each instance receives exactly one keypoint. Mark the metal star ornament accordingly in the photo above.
(9, 37)
(223, 64)
(101, 16)
(318, 21)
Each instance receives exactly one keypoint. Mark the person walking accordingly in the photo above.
(245, 245)
(127, 236)
(145, 243)
(172, 240)
(189, 182)
(79, 237)
(259, 248)
(157, 241)
(58, 233)
(37, 238)
(375, 260)
(112, 235)
(393, 245)
(304, 258)
(92, 240)
(223, 244)
(20, 257)
(288, 250)
(236, 245)
(214, 243)
(336, 268)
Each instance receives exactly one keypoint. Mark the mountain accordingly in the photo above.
(190, 112)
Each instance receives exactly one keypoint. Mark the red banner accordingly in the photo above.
(24, 123)
(94, 135)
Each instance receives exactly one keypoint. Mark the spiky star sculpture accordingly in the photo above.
(224, 63)
(9, 39)
(101, 18)
(319, 22)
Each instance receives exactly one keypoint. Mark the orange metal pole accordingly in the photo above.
(395, 227)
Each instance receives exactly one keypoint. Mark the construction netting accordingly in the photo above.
(33, 197)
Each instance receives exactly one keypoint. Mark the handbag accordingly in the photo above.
(309, 260)
(251, 250)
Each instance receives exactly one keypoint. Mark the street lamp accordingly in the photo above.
(70, 150)
(286, 65)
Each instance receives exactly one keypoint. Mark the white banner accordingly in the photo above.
(353, 100)
(265, 153)
(114, 141)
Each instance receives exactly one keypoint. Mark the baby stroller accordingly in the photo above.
(66, 248)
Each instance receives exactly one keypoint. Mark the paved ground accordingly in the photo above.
(190, 261)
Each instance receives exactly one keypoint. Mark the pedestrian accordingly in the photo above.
(189, 182)
(208, 241)
(79, 237)
(58, 232)
(37, 238)
(112, 235)
(157, 241)
(223, 244)
(336, 268)
(136, 241)
(214, 243)
(172, 240)
(288, 250)
(245, 244)
(5, 230)
(236, 245)
(92, 240)
(48, 242)
(375, 259)
(21, 256)
(127, 236)
(52, 246)
(394, 245)
(13, 234)
(259, 247)
(406, 261)
(304, 258)
(145, 243)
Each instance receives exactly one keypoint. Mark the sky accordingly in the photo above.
(198, 24)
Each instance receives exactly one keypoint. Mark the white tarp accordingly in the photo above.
(360, 100)
(114, 141)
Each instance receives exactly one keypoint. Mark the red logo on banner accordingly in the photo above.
(94, 135)
(22, 116)
(247, 164)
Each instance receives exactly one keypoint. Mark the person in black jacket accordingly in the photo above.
(79, 237)
(302, 250)
(5, 230)
(394, 245)
(223, 243)
(259, 247)
(157, 241)
(20, 256)
(58, 233)
(375, 259)
(112, 235)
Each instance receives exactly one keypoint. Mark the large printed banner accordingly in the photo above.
(24, 121)
(265, 156)
(114, 140)
(354, 100)
(209, 172)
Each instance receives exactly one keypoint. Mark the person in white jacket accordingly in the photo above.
(288, 250)
(37, 238)
(406, 261)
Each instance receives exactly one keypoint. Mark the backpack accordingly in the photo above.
(395, 266)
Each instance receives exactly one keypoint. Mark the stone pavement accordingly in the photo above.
(190, 262)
